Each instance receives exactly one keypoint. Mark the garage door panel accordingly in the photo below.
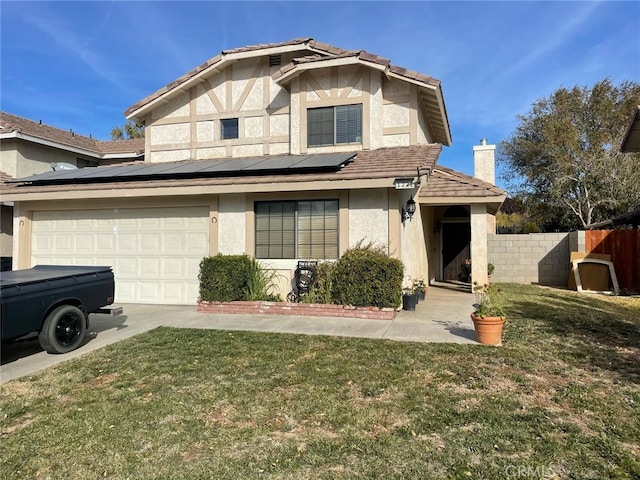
(149, 267)
(106, 261)
(155, 252)
(84, 242)
(151, 223)
(193, 266)
(198, 241)
(150, 242)
(63, 243)
(42, 243)
(126, 267)
(192, 290)
(173, 291)
(126, 291)
(150, 292)
(173, 243)
(105, 242)
(127, 223)
(173, 268)
(127, 243)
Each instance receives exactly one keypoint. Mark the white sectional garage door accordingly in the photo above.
(154, 252)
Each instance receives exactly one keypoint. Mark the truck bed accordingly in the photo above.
(27, 296)
(45, 272)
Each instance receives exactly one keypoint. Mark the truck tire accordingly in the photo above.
(63, 330)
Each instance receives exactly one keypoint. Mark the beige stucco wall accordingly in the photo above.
(231, 224)
(22, 159)
(272, 119)
(479, 248)
(414, 252)
(188, 126)
(368, 217)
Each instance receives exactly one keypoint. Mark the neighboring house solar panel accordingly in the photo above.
(283, 164)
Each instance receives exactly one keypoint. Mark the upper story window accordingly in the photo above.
(334, 125)
(228, 128)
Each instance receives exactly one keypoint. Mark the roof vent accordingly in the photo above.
(56, 166)
(275, 60)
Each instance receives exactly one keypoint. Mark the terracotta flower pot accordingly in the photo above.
(488, 329)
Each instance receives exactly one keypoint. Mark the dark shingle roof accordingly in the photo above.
(14, 123)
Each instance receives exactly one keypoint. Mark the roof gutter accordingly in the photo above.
(49, 143)
(69, 148)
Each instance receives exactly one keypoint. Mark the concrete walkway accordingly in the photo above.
(443, 317)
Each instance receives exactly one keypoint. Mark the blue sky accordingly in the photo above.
(79, 65)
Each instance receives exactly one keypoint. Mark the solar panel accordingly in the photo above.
(196, 168)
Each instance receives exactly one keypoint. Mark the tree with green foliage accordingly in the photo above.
(128, 131)
(564, 159)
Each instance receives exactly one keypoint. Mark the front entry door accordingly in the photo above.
(456, 239)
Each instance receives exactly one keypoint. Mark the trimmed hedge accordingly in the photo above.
(366, 276)
(223, 278)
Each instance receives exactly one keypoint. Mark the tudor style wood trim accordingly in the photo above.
(212, 96)
(317, 89)
(247, 88)
(353, 81)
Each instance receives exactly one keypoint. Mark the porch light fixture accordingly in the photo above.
(408, 210)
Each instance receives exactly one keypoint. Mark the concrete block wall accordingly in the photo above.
(541, 258)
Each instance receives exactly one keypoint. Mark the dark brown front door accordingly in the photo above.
(456, 238)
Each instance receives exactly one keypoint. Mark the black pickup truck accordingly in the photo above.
(55, 302)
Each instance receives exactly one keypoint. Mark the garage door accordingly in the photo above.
(154, 252)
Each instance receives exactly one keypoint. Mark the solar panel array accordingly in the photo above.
(200, 168)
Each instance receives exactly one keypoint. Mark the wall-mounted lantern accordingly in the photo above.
(408, 210)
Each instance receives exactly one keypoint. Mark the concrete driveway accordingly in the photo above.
(443, 317)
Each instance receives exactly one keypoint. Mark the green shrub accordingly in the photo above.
(260, 283)
(320, 291)
(366, 276)
(223, 278)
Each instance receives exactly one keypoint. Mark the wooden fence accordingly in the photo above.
(624, 248)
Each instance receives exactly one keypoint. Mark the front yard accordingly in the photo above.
(561, 399)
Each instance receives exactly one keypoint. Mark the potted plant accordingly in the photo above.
(488, 316)
(409, 299)
(419, 287)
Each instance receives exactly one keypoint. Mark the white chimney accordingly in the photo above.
(484, 162)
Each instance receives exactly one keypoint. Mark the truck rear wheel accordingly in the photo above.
(63, 330)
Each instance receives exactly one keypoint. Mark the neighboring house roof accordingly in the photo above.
(383, 164)
(319, 55)
(13, 126)
(631, 141)
(629, 218)
(446, 186)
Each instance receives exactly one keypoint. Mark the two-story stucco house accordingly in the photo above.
(285, 151)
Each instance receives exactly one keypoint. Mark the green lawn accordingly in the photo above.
(560, 399)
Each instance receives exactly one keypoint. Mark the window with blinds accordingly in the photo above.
(334, 125)
(297, 229)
